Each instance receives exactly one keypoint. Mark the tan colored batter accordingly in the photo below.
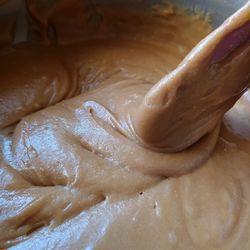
(73, 174)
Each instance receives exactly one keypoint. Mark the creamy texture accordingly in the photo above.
(73, 173)
(190, 102)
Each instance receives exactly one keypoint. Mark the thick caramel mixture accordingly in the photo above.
(73, 173)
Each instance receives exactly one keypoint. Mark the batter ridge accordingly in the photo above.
(76, 170)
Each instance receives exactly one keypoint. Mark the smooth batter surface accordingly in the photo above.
(73, 178)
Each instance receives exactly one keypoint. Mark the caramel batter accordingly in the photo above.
(73, 173)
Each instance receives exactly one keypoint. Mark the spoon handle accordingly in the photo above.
(189, 102)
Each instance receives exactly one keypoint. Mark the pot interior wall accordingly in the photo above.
(219, 10)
